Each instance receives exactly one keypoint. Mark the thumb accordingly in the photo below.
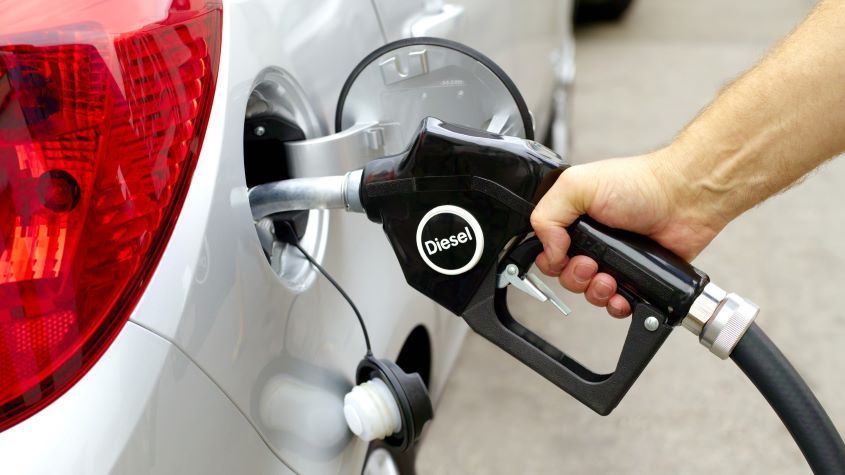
(568, 198)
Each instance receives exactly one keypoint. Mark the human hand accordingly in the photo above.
(643, 194)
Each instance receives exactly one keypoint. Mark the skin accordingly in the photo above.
(765, 131)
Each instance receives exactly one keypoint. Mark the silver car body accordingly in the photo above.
(226, 366)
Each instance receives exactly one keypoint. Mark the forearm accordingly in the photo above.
(765, 131)
(773, 125)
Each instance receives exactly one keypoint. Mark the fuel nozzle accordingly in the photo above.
(456, 207)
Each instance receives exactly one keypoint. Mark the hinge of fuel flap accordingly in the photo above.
(346, 150)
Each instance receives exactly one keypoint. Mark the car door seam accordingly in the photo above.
(379, 21)
(225, 393)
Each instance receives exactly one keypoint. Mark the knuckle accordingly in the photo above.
(569, 284)
(580, 288)
(538, 217)
(597, 300)
(594, 300)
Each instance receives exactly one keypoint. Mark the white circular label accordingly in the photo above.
(450, 240)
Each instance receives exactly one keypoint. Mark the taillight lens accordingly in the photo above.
(102, 114)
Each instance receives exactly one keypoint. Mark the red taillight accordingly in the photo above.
(101, 121)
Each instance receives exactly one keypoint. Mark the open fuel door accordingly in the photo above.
(393, 89)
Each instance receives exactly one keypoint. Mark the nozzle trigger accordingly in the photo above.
(531, 285)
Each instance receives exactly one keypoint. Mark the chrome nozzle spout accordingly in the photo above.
(325, 192)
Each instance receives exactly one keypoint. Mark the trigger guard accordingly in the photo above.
(489, 316)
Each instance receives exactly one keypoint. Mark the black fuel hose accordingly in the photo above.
(792, 400)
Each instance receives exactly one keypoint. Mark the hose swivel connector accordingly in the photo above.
(720, 319)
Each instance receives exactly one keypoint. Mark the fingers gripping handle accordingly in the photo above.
(643, 269)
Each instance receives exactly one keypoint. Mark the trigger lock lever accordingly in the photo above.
(531, 285)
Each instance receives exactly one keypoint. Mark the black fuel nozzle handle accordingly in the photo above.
(640, 266)
(644, 270)
(659, 285)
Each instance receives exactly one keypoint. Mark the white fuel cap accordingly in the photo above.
(371, 411)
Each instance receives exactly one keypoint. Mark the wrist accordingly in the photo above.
(700, 198)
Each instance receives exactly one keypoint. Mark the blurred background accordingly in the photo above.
(639, 81)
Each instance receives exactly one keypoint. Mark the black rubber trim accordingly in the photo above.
(410, 393)
(527, 123)
(792, 400)
(370, 367)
